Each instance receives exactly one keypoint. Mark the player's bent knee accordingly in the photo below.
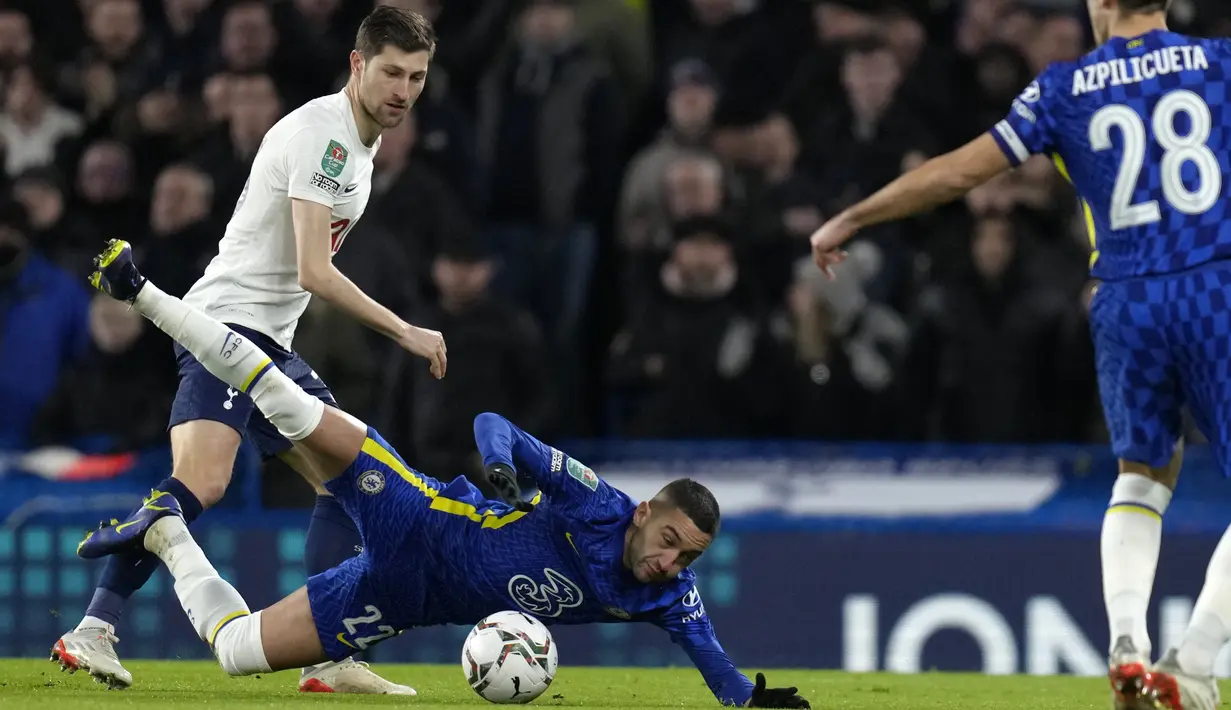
(238, 647)
(203, 455)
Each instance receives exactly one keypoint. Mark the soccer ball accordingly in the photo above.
(509, 657)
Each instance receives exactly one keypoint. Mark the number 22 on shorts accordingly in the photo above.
(352, 627)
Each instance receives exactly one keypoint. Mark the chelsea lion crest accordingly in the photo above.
(372, 482)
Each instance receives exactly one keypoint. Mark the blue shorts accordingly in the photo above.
(371, 597)
(203, 396)
(1161, 343)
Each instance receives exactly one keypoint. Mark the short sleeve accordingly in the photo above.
(314, 163)
(1028, 129)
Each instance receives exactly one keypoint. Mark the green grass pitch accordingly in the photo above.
(33, 684)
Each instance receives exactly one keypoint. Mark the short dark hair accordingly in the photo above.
(695, 501)
(389, 25)
(1145, 6)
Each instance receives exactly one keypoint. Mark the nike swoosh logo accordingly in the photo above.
(350, 189)
(121, 526)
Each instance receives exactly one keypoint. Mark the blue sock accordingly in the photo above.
(124, 574)
(333, 537)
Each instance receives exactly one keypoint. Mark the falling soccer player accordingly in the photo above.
(579, 552)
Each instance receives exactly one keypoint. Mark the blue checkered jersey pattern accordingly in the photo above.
(1142, 128)
(584, 521)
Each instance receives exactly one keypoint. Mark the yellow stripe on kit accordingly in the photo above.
(487, 518)
(1134, 508)
(225, 620)
(252, 375)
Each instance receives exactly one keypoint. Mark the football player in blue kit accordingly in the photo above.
(1142, 128)
(579, 552)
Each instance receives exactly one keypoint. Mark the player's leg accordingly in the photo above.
(204, 439)
(278, 638)
(1185, 675)
(1141, 398)
(333, 537)
(334, 437)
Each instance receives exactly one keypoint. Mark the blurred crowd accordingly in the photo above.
(603, 204)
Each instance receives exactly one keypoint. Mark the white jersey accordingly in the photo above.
(313, 153)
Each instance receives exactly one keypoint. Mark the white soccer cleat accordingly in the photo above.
(349, 676)
(1168, 687)
(92, 650)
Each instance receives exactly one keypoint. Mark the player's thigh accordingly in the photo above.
(329, 449)
(207, 417)
(353, 607)
(1138, 379)
(288, 633)
(1202, 331)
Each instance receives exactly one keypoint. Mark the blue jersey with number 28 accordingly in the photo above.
(1142, 128)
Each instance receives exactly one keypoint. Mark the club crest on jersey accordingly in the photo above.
(547, 599)
(372, 482)
(334, 159)
(582, 473)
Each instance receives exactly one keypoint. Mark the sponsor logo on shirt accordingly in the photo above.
(334, 159)
(582, 473)
(548, 598)
(324, 183)
(692, 600)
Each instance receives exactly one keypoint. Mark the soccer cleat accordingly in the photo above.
(129, 533)
(348, 676)
(115, 274)
(1168, 687)
(1127, 673)
(92, 650)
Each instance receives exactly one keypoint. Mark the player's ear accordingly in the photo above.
(642, 513)
(356, 62)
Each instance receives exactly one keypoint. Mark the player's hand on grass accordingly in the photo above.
(763, 697)
(827, 242)
(504, 479)
(429, 344)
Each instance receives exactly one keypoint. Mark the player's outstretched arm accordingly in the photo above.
(318, 276)
(692, 631)
(1028, 129)
(506, 449)
(939, 181)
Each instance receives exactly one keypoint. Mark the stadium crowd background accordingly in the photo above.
(603, 204)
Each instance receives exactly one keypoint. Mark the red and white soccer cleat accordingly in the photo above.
(1168, 687)
(348, 676)
(1127, 673)
(92, 650)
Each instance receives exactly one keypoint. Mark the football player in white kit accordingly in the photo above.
(309, 184)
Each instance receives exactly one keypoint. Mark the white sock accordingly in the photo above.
(210, 602)
(1132, 535)
(1210, 626)
(93, 622)
(233, 359)
(239, 648)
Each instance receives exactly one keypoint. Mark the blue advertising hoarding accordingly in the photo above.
(874, 559)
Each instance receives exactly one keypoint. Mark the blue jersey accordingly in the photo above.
(1142, 128)
(444, 554)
